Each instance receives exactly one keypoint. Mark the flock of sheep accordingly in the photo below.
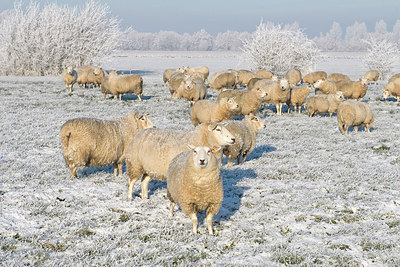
(190, 161)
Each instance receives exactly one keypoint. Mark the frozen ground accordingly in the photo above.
(306, 196)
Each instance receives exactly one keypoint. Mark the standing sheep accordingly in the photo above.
(105, 84)
(249, 101)
(293, 76)
(92, 142)
(371, 76)
(298, 97)
(223, 79)
(83, 73)
(125, 84)
(211, 111)
(95, 77)
(354, 113)
(353, 89)
(69, 78)
(152, 150)
(325, 86)
(336, 77)
(324, 104)
(175, 81)
(244, 76)
(392, 88)
(192, 89)
(194, 182)
(278, 92)
(167, 74)
(314, 76)
(195, 70)
(245, 132)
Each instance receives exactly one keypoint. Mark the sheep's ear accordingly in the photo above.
(137, 116)
(211, 127)
(215, 149)
(191, 147)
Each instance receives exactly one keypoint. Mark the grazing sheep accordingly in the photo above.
(298, 97)
(267, 75)
(83, 73)
(249, 101)
(196, 70)
(223, 79)
(336, 77)
(192, 89)
(325, 86)
(312, 77)
(354, 113)
(394, 77)
(194, 182)
(125, 84)
(175, 81)
(245, 132)
(371, 76)
(244, 76)
(293, 76)
(69, 78)
(167, 74)
(92, 142)
(213, 111)
(152, 150)
(353, 89)
(324, 104)
(392, 88)
(278, 92)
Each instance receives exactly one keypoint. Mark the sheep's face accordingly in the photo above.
(144, 121)
(221, 134)
(203, 155)
(275, 77)
(284, 84)
(318, 83)
(256, 121)
(232, 104)
(261, 92)
(385, 93)
(339, 96)
(97, 71)
(189, 84)
(70, 70)
(364, 81)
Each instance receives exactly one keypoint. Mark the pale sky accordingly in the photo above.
(314, 16)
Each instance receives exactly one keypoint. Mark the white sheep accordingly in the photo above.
(69, 78)
(314, 76)
(336, 77)
(192, 89)
(245, 132)
(324, 104)
(325, 86)
(278, 92)
(353, 89)
(194, 71)
(175, 81)
(92, 142)
(194, 182)
(394, 77)
(392, 88)
(244, 76)
(223, 79)
(125, 84)
(371, 76)
(95, 77)
(252, 81)
(152, 150)
(167, 74)
(213, 111)
(267, 75)
(354, 113)
(298, 96)
(293, 76)
(83, 72)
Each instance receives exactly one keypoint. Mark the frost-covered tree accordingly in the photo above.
(202, 41)
(230, 40)
(332, 41)
(355, 34)
(396, 32)
(382, 54)
(43, 41)
(167, 40)
(278, 49)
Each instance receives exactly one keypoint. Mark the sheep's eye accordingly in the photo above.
(229, 101)
(218, 129)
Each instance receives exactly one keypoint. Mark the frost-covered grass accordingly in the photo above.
(306, 196)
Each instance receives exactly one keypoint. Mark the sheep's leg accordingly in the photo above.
(171, 208)
(243, 158)
(120, 97)
(193, 217)
(209, 222)
(115, 165)
(134, 175)
(330, 114)
(73, 171)
(238, 160)
(341, 128)
(116, 96)
(120, 168)
(356, 128)
(346, 128)
(140, 97)
(145, 185)
(294, 109)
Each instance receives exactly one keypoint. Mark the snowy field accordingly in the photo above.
(306, 196)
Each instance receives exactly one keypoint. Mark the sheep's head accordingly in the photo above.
(256, 121)
(98, 71)
(385, 92)
(318, 83)
(275, 77)
(144, 121)
(261, 92)
(203, 155)
(231, 104)
(339, 96)
(222, 136)
(284, 84)
(70, 70)
(364, 81)
(189, 84)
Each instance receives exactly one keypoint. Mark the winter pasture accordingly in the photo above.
(306, 196)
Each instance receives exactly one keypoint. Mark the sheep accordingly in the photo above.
(167, 74)
(336, 77)
(325, 86)
(392, 88)
(278, 92)
(125, 84)
(223, 79)
(394, 77)
(194, 182)
(371, 76)
(196, 70)
(354, 113)
(324, 104)
(298, 97)
(93, 142)
(151, 150)
(312, 77)
(69, 78)
(244, 76)
(293, 76)
(267, 75)
(95, 77)
(245, 132)
(353, 89)
(175, 81)
(213, 111)
(192, 89)
(249, 101)
(252, 82)
(83, 73)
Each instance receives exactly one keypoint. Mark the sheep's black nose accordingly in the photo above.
(202, 161)
(233, 140)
